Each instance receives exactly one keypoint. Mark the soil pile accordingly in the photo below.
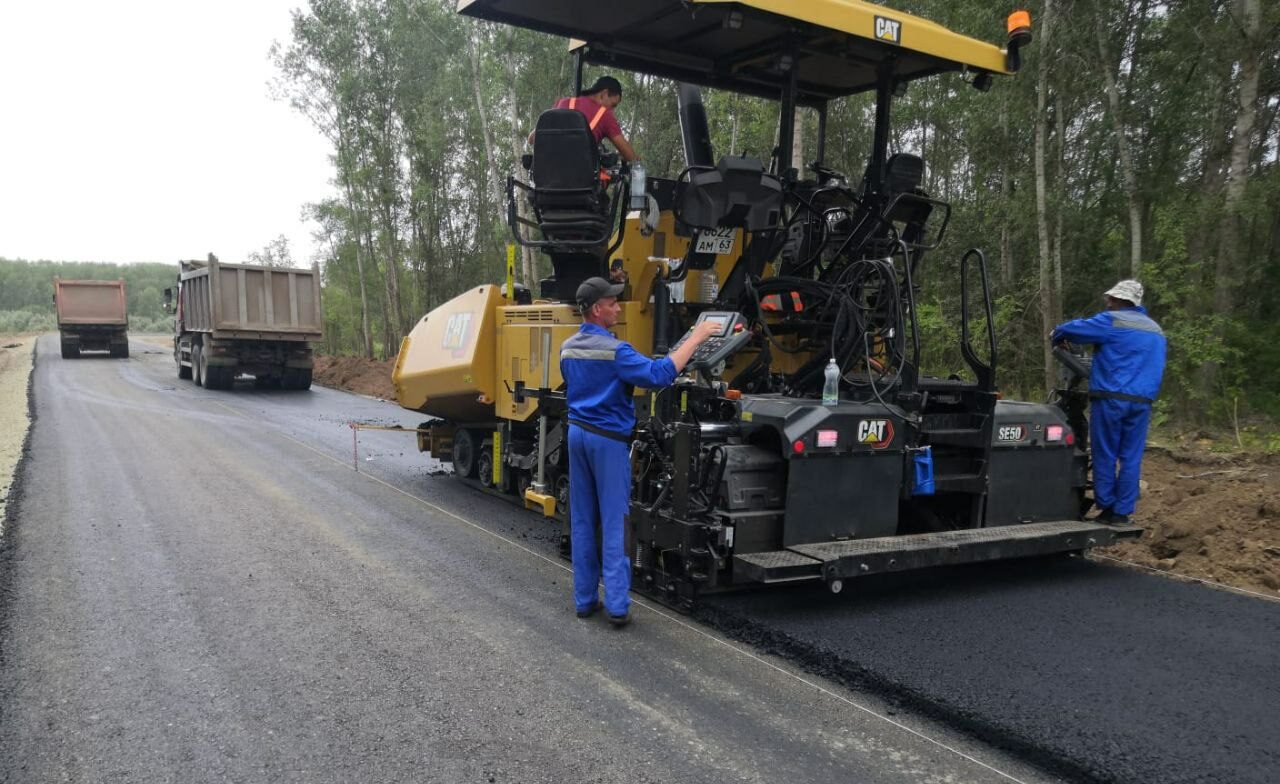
(356, 374)
(1212, 516)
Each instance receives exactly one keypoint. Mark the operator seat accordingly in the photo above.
(570, 201)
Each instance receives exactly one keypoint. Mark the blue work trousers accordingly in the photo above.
(1118, 433)
(599, 497)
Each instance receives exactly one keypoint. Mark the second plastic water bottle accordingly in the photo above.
(831, 384)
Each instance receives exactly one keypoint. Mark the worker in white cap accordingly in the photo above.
(1128, 364)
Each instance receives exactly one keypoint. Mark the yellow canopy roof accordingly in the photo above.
(837, 46)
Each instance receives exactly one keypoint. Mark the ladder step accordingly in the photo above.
(954, 436)
(960, 483)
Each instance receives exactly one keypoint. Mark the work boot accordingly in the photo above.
(587, 612)
(619, 621)
(1117, 519)
(1104, 516)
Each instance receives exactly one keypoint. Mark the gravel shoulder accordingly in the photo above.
(15, 370)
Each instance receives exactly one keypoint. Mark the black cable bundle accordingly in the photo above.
(857, 312)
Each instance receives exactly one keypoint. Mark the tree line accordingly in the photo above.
(1139, 140)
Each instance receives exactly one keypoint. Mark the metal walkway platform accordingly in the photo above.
(857, 557)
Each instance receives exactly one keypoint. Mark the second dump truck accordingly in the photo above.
(92, 316)
(234, 319)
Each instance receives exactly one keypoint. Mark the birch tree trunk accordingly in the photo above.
(1120, 133)
(1227, 270)
(486, 131)
(348, 188)
(797, 142)
(1042, 207)
(1006, 195)
(1059, 187)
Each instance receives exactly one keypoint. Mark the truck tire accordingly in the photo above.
(120, 350)
(197, 360)
(465, 448)
(70, 351)
(484, 467)
(298, 379)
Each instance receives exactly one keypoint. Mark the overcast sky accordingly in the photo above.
(143, 130)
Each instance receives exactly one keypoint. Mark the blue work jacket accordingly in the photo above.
(601, 373)
(1129, 350)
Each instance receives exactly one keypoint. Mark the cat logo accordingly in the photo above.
(875, 433)
(888, 30)
(455, 333)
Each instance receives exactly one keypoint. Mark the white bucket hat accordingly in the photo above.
(1130, 290)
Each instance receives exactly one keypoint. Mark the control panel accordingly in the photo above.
(731, 336)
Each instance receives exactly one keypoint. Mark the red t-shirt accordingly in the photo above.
(605, 125)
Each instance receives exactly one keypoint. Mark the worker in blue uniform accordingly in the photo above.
(600, 374)
(1128, 363)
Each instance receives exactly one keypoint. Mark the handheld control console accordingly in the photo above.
(731, 337)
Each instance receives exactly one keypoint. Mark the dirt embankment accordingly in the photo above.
(15, 368)
(1212, 516)
(1207, 515)
(356, 374)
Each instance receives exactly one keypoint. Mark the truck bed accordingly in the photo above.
(251, 302)
(90, 302)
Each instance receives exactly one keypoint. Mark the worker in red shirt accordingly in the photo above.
(597, 103)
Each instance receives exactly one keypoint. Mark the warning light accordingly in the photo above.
(798, 446)
(1054, 433)
(733, 394)
(1071, 439)
(1019, 24)
(827, 438)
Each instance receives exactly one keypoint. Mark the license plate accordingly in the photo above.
(717, 241)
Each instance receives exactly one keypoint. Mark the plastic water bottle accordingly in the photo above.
(637, 186)
(708, 286)
(831, 383)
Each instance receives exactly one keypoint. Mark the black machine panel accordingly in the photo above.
(1032, 477)
(845, 465)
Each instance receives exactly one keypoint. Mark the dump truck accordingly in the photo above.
(92, 316)
(742, 473)
(233, 319)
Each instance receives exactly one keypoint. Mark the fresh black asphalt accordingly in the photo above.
(1101, 672)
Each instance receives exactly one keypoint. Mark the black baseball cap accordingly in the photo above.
(593, 290)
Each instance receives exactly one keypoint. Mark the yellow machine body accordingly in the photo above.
(446, 364)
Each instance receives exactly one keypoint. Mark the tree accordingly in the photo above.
(274, 254)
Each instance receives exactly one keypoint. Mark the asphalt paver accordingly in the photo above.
(198, 587)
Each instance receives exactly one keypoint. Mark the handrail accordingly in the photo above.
(985, 371)
(911, 306)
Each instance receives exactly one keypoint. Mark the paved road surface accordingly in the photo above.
(197, 587)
